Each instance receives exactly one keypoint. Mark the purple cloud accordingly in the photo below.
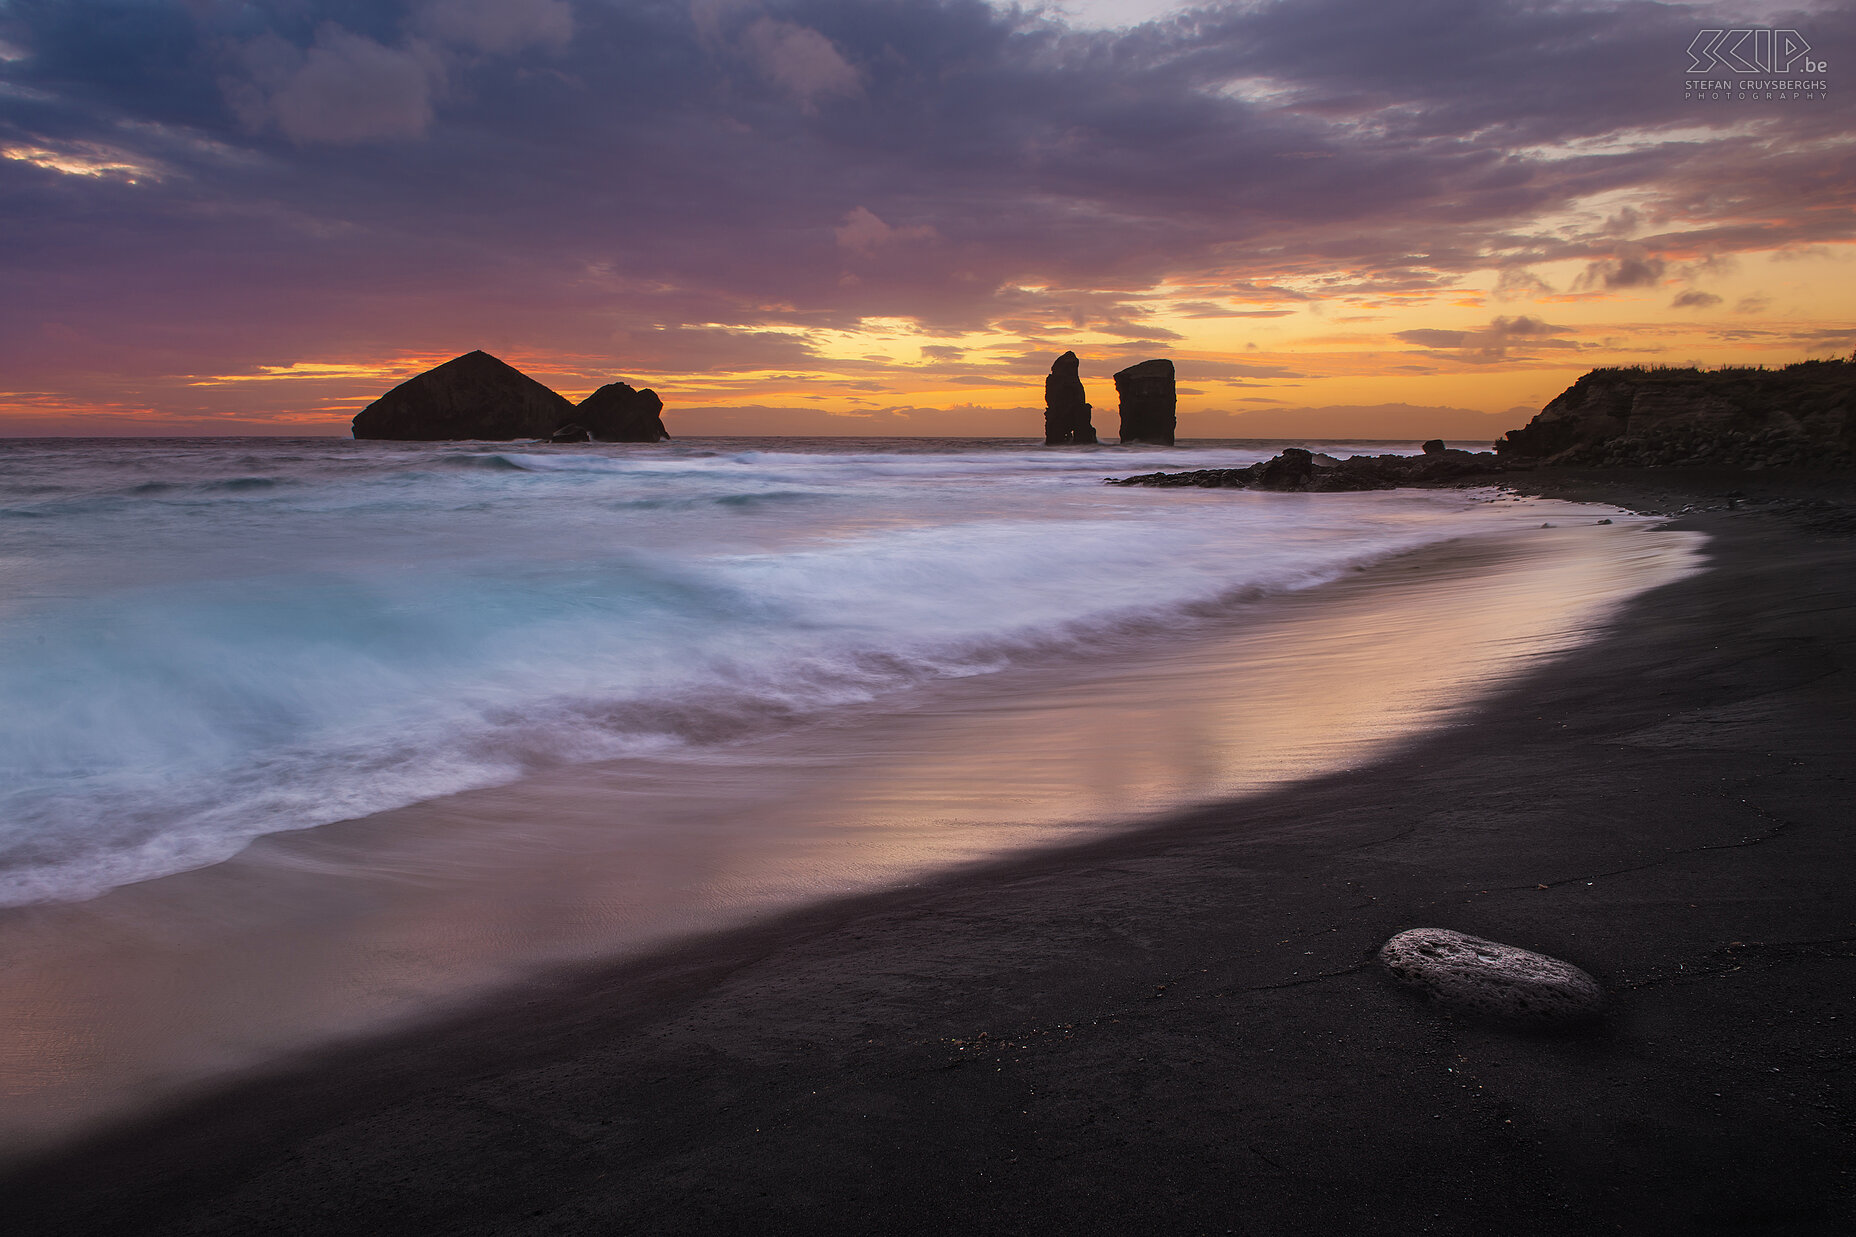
(614, 183)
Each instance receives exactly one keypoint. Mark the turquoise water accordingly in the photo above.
(304, 739)
(206, 641)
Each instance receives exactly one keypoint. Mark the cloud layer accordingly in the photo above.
(210, 187)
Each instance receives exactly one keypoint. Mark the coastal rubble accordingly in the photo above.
(1492, 980)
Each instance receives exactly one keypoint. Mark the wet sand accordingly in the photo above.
(121, 1003)
(1177, 1029)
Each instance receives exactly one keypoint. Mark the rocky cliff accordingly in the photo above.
(1801, 416)
(617, 413)
(472, 396)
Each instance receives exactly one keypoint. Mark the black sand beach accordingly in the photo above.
(1180, 1030)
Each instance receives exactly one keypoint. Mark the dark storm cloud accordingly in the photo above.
(210, 184)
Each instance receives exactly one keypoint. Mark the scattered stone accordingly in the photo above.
(1149, 403)
(1066, 412)
(1490, 980)
(1604, 521)
(617, 413)
(475, 396)
(571, 433)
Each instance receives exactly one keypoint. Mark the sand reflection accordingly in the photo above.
(307, 936)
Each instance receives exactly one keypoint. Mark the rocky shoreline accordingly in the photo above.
(1800, 418)
(1298, 470)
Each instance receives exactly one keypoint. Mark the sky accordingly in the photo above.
(1339, 218)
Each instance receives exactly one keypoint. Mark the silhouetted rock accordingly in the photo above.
(1801, 416)
(1297, 470)
(1149, 403)
(472, 396)
(617, 413)
(1066, 412)
(1434, 446)
(1294, 469)
(571, 433)
(1491, 980)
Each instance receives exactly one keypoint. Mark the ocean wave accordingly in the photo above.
(402, 623)
(482, 462)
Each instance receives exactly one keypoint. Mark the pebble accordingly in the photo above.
(1491, 980)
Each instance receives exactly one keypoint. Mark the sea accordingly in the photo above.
(301, 738)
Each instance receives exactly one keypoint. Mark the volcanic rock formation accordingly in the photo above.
(472, 396)
(1298, 470)
(617, 413)
(1149, 404)
(1803, 415)
(1066, 412)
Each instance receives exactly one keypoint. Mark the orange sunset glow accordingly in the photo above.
(786, 225)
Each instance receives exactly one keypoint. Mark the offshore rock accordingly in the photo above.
(1294, 469)
(1435, 446)
(1300, 471)
(1149, 403)
(1066, 412)
(474, 396)
(1801, 416)
(571, 433)
(1491, 980)
(617, 413)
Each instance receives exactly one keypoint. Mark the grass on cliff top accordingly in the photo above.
(1839, 370)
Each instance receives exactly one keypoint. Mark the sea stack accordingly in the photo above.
(1066, 412)
(472, 396)
(1149, 404)
(617, 413)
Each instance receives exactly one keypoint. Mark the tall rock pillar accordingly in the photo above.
(1149, 404)
(1066, 413)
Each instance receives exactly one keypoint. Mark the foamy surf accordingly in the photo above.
(205, 642)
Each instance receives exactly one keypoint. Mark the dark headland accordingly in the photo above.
(479, 397)
(1181, 1030)
(1801, 417)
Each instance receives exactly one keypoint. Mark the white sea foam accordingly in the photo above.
(204, 642)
